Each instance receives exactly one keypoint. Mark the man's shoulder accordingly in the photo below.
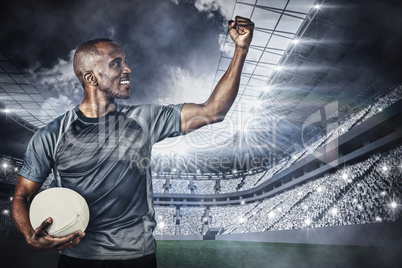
(55, 125)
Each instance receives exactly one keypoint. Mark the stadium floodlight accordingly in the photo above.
(278, 68)
(6, 212)
(393, 204)
(7, 111)
(5, 165)
(317, 6)
(344, 176)
(295, 41)
(384, 168)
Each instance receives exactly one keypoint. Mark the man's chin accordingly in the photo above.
(122, 96)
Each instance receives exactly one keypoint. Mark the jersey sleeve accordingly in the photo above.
(38, 159)
(165, 121)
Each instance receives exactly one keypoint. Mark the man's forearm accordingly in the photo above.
(227, 88)
(20, 216)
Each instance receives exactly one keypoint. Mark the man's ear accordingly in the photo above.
(90, 78)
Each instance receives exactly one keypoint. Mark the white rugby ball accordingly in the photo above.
(68, 209)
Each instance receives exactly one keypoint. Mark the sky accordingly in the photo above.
(172, 46)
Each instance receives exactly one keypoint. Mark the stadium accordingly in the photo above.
(305, 170)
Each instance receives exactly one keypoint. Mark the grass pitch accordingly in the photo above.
(222, 254)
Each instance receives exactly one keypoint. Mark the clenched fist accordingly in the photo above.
(241, 31)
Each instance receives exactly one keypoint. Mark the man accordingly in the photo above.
(101, 149)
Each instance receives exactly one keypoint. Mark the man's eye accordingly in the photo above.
(116, 64)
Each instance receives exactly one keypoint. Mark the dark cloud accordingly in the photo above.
(159, 38)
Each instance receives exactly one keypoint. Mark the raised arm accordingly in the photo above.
(37, 239)
(194, 116)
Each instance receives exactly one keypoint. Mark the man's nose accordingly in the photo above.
(127, 69)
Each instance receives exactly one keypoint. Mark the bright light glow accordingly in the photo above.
(359, 184)
(258, 103)
(250, 172)
(198, 171)
(242, 202)
(6, 212)
(234, 171)
(334, 211)
(354, 200)
(394, 204)
(384, 168)
(299, 193)
(5, 165)
(317, 6)
(294, 157)
(162, 224)
(11, 198)
(344, 176)
(206, 219)
(279, 209)
(174, 169)
(295, 41)
(6, 110)
(266, 88)
(241, 220)
(378, 219)
(360, 207)
(159, 217)
(307, 221)
(271, 215)
(305, 207)
(383, 193)
(319, 189)
(278, 68)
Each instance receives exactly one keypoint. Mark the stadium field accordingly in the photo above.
(14, 253)
(222, 254)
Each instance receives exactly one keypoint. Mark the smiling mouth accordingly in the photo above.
(125, 83)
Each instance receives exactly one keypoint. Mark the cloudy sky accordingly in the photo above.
(172, 45)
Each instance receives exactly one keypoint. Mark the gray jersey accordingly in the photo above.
(107, 161)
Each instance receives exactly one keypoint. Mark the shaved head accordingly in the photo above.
(85, 55)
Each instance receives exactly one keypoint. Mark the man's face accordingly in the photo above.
(111, 71)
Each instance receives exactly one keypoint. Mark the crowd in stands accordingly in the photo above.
(8, 175)
(191, 220)
(165, 218)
